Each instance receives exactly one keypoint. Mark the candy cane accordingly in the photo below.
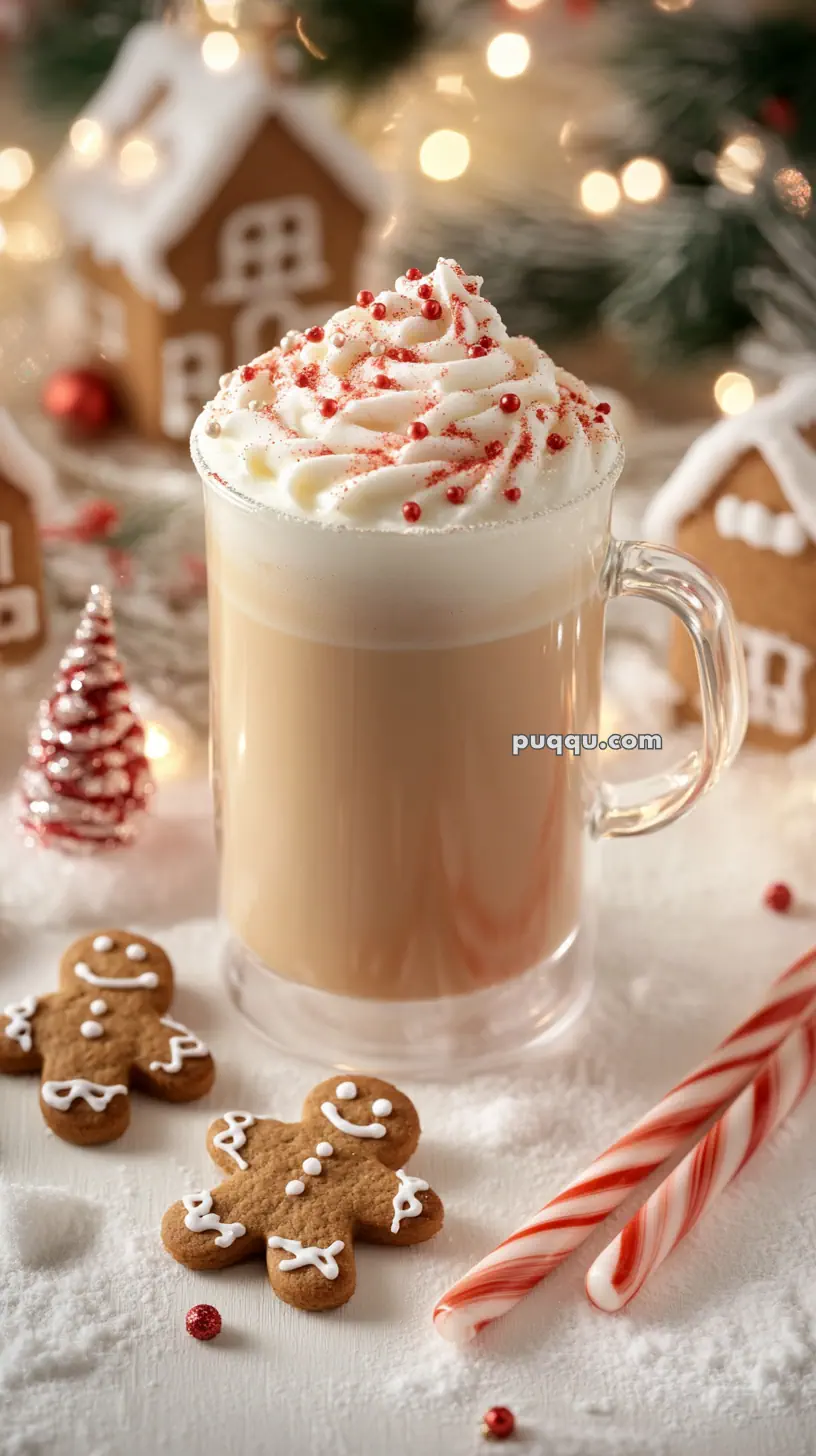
(675, 1207)
(496, 1284)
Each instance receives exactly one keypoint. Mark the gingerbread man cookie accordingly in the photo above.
(102, 1033)
(301, 1192)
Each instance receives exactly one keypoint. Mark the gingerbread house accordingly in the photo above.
(28, 493)
(743, 501)
(210, 210)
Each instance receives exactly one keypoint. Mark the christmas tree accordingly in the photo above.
(87, 780)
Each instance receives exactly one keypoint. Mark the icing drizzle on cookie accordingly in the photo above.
(19, 1015)
(147, 981)
(366, 1130)
(62, 1095)
(406, 1203)
(185, 1044)
(323, 1259)
(200, 1219)
(232, 1137)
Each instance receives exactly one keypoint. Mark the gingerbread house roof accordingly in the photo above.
(200, 122)
(26, 469)
(773, 427)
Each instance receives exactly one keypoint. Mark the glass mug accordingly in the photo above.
(403, 891)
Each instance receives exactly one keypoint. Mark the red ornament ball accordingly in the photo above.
(365, 297)
(413, 273)
(314, 335)
(411, 512)
(383, 381)
(779, 898)
(455, 494)
(418, 430)
(498, 1423)
(476, 351)
(424, 291)
(779, 114)
(512, 493)
(203, 1322)
(556, 442)
(328, 407)
(509, 403)
(378, 310)
(431, 309)
(80, 400)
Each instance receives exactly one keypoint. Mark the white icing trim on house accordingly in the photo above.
(26, 469)
(780, 706)
(753, 523)
(773, 428)
(201, 126)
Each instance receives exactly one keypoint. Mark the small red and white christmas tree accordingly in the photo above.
(87, 780)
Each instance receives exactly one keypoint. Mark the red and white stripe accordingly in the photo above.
(676, 1206)
(496, 1284)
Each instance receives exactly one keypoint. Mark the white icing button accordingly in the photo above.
(99, 1007)
(324, 1150)
(103, 942)
(295, 1187)
(313, 1166)
(136, 953)
(346, 1091)
(91, 1029)
(382, 1107)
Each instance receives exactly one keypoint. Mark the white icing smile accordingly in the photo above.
(367, 1130)
(147, 981)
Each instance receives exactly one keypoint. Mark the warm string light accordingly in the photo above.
(26, 242)
(734, 393)
(220, 50)
(644, 179)
(88, 140)
(600, 193)
(444, 155)
(508, 55)
(16, 171)
(223, 12)
(525, 4)
(158, 744)
(138, 160)
(740, 163)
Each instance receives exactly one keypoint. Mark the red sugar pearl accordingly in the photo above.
(411, 511)
(493, 449)
(314, 335)
(556, 442)
(432, 309)
(418, 430)
(382, 381)
(498, 1423)
(365, 297)
(424, 291)
(302, 381)
(203, 1322)
(509, 403)
(779, 898)
(378, 310)
(485, 341)
(512, 493)
(455, 494)
(475, 351)
(603, 409)
(328, 407)
(413, 273)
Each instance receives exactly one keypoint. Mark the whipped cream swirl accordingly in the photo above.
(410, 410)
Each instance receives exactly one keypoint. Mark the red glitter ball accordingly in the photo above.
(314, 335)
(424, 291)
(455, 494)
(485, 341)
(604, 409)
(378, 310)
(556, 442)
(411, 511)
(418, 430)
(475, 351)
(431, 309)
(509, 403)
(365, 297)
(413, 274)
(779, 898)
(328, 407)
(302, 381)
(493, 449)
(382, 381)
(498, 1422)
(512, 493)
(203, 1322)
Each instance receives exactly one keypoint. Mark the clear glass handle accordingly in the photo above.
(676, 581)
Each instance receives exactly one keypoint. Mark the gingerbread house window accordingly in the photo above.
(777, 672)
(108, 325)
(271, 247)
(191, 366)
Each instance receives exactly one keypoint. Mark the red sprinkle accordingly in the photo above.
(328, 407)
(509, 403)
(424, 291)
(314, 335)
(512, 493)
(604, 409)
(203, 1322)
(365, 297)
(248, 373)
(493, 449)
(418, 430)
(378, 310)
(498, 1422)
(599, 420)
(302, 380)
(779, 898)
(382, 381)
(455, 494)
(413, 274)
(431, 309)
(411, 511)
(556, 442)
(476, 351)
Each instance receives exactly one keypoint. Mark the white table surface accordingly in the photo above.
(718, 1355)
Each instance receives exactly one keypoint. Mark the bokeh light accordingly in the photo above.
(734, 393)
(444, 154)
(644, 179)
(600, 193)
(220, 50)
(138, 160)
(508, 54)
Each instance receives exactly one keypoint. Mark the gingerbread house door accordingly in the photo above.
(22, 623)
(777, 678)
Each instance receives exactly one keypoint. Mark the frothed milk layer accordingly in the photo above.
(412, 411)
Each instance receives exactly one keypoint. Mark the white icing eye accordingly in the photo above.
(295, 1187)
(103, 942)
(382, 1107)
(313, 1166)
(91, 1030)
(136, 953)
(346, 1091)
(99, 1007)
(324, 1150)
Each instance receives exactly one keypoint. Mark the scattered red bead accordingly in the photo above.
(315, 335)
(411, 511)
(475, 351)
(382, 381)
(604, 409)
(302, 381)
(328, 407)
(485, 341)
(779, 898)
(203, 1322)
(432, 309)
(378, 310)
(455, 494)
(418, 430)
(413, 274)
(556, 442)
(498, 1423)
(365, 297)
(509, 403)
(493, 449)
(424, 291)
(512, 493)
